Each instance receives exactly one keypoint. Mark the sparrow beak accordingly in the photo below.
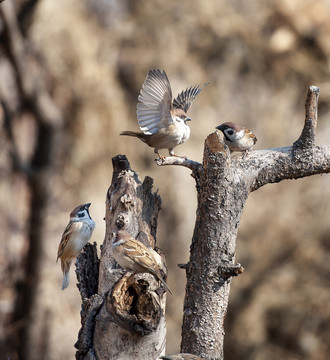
(220, 127)
(87, 206)
(187, 119)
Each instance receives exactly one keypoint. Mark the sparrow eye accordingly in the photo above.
(230, 132)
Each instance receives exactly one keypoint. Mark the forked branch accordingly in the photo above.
(262, 167)
(224, 182)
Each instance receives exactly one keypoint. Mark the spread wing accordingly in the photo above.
(185, 98)
(153, 108)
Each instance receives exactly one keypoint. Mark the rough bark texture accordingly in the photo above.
(221, 199)
(125, 319)
(223, 184)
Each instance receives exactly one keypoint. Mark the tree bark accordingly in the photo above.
(223, 184)
(125, 319)
(122, 319)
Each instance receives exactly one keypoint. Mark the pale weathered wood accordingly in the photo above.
(224, 182)
(126, 318)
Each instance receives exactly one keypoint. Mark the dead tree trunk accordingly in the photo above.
(126, 318)
(126, 321)
(223, 183)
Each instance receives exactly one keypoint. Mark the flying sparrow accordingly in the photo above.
(76, 235)
(181, 357)
(163, 123)
(236, 137)
(132, 255)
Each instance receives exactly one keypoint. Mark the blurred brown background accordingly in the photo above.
(260, 58)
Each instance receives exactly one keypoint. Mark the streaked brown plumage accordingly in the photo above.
(76, 235)
(132, 255)
(163, 122)
(237, 137)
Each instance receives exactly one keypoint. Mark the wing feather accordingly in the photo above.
(185, 98)
(153, 108)
(71, 227)
(70, 232)
(139, 252)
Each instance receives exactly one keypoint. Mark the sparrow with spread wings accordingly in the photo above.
(163, 122)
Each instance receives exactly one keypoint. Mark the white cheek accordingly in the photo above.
(178, 120)
(240, 135)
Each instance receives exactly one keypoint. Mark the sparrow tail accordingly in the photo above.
(166, 287)
(65, 265)
(130, 133)
(139, 135)
(66, 279)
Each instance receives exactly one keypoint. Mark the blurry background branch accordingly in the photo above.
(33, 100)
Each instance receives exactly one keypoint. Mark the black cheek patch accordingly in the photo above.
(81, 214)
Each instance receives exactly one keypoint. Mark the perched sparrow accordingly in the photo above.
(236, 137)
(163, 122)
(132, 255)
(75, 237)
(181, 357)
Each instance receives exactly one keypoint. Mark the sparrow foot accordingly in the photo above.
(246, 153)
(160, 157)
(180, 156)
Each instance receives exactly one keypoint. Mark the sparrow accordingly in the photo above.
(76, 235)
(132, 255)
(163, 122)
(236, 137)
(181, 357)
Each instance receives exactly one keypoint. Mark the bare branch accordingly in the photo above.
(181, 161)
(181, 357)
(229, 271)
(224, 183)
(31, 85)
(262, 167)
(274, 165)
(307, 137)
(17, 163)
(35, 98)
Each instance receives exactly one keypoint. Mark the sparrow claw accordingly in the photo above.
(246, 153)
(180, 156)
(160, 157)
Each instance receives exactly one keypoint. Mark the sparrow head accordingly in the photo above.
(178, 115)
(237, 137)
(121, 237)
(229, 128)
(81, 212)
